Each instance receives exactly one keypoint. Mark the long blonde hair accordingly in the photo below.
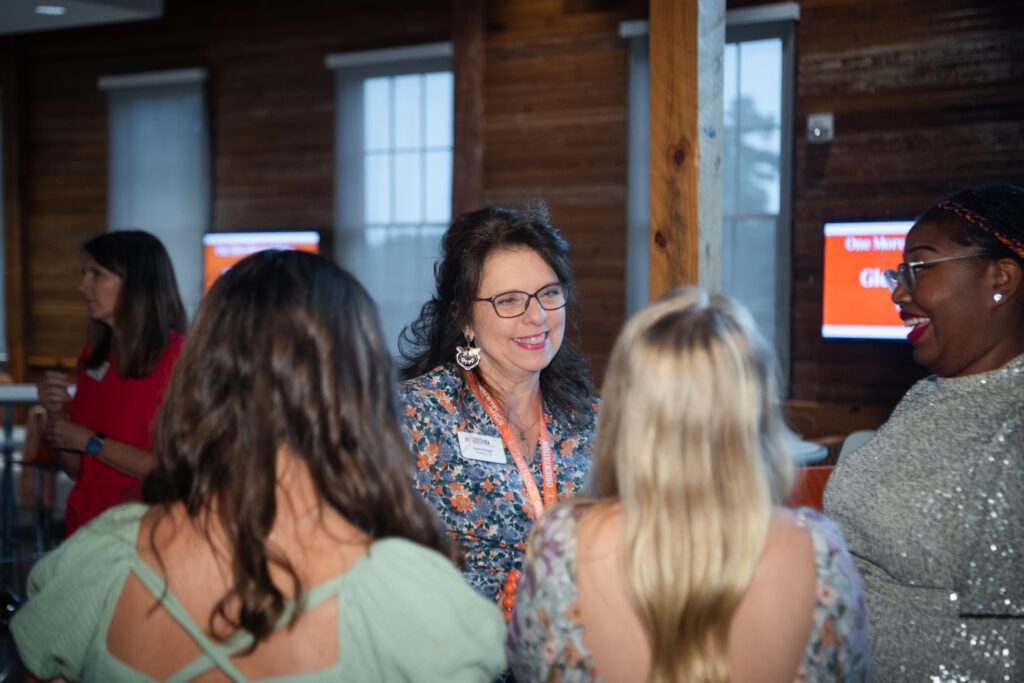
(689, 442)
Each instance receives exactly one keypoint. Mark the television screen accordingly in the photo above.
(856, 301)
(221, 250)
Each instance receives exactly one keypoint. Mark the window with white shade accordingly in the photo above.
(755, 258)
(758, 68)
(159, 165)
(393, 173)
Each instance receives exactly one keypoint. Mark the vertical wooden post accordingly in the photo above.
(687, 39)
(468, 25)
(15, 300)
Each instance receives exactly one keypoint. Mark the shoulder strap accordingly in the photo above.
(214, 654)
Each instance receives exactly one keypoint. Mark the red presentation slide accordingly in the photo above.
(856, 303)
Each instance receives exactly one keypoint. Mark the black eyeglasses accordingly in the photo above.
(906, 273)
(514, 304)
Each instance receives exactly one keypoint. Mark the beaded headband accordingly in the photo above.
(981, 223)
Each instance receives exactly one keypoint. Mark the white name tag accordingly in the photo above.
(482, 447)
(98, 373)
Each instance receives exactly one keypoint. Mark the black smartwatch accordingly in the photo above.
(95, 444)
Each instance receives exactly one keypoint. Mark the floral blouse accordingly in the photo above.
(545, 638)
(482, 504)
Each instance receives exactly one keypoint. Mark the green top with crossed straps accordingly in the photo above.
(405, 614)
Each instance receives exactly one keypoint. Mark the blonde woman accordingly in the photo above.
(685, 567)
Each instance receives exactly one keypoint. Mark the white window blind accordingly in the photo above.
(159, 165)
(393, 173)
(757, 165)
(753, 262)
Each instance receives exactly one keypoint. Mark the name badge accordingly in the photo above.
(98, 373)
(482, 447)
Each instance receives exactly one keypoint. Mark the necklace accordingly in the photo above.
(522, 430)
(507, 599)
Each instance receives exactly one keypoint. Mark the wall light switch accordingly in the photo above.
(820, 128)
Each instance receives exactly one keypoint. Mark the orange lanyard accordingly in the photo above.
(547, 457)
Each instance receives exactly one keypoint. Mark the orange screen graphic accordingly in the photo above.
(856, 299)
(223, 250)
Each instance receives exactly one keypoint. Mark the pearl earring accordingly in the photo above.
(997, 297)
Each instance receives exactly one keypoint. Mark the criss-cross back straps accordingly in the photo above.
(216, 654)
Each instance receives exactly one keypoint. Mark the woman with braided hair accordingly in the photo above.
(932, 506)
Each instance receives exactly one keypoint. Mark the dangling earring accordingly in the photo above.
(997, 297)
(468, 357)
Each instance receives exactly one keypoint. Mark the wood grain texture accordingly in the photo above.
(468, 26)
(270, 100)
(928, 98)
(675, 146)
(926, 93)
(555, 129)
(548, 104)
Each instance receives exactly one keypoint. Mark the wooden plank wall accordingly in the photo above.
(554, 127)
(926, 94)
(928, 97)
(271, 108)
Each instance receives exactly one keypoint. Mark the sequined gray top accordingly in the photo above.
(933, 511)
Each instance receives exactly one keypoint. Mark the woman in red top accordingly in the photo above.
(136, 327)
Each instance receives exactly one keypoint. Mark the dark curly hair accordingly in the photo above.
(471, 238)
(148, 307)
(286, 350)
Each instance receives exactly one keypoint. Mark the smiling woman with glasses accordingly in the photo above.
(498, 403)
(932, 506)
